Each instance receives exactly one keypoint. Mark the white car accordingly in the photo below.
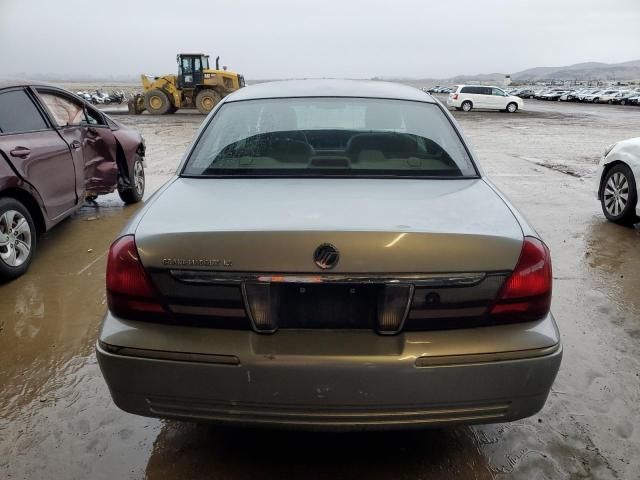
(619, 181)
(594, 97)
(468, 97)
(608, 96)
(587, 95)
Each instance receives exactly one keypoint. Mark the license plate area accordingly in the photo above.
(294, 305)
(327, 306)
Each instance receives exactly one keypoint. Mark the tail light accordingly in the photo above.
(130, 293)
(454, 96)
(526, 294)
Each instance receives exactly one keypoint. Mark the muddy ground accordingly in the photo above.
(57, 420)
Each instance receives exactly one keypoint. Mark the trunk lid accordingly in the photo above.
(377, 225)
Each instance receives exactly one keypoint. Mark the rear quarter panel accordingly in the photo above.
(10, 182)
(627, 152)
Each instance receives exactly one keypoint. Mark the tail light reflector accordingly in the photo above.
(260, 304)
(455, 96)
(526, 294)
(393, 307)
(130, 293)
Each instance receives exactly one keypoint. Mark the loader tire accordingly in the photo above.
(206, 100)
(157, 102)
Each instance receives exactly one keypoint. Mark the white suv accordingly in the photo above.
(466, 97)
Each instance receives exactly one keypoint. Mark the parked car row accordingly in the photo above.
(587, 95)
(56, 150)
(102, 98)
(438, 89)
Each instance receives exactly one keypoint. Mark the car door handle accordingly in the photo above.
(21, 152)
(75, 144)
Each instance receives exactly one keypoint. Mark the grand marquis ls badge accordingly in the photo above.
(326, 256)
(197, 262)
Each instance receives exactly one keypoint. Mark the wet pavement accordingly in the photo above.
(57, 419)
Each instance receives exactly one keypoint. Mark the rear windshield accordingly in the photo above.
(329, 136)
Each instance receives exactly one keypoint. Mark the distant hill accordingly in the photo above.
(583, 71)
(480, 77)
(579, 71)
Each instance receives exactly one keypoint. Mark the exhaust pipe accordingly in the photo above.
(218, 62)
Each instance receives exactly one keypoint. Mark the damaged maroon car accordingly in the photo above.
(56, 151)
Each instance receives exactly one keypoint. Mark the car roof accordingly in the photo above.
(17, 82)
(330, 88)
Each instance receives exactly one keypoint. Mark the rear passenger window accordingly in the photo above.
(18, 113)
(475, 90)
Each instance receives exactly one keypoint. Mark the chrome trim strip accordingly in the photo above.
(231, 360)
(207, 311)
(430, 280)
(451, 360)
(432, 314)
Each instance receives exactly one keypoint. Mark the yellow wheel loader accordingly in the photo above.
(195, 86)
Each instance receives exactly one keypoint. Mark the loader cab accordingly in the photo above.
(190, 69)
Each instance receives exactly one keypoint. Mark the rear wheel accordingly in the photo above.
(17, 238)
(134, 191)
(157, 102)
(623, 102)
(619, 196)
(206, 100)
(512, 107)
(466, 106)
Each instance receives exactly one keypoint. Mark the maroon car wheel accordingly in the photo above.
(17, 238)
(133, 190)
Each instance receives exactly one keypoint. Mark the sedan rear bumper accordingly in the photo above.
(332, 380)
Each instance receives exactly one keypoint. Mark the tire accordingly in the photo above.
(596, 100)
(610, 102)
(466, 106)
(206, 100)
(617, 182)
(512, 107)
(157, 102)
(12, 214)
(623, 102)
(134, 190)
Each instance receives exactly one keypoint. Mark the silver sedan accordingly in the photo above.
(330, 255)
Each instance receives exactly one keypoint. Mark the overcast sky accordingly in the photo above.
(298, 38)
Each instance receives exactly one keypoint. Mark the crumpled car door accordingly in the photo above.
(100, 165)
